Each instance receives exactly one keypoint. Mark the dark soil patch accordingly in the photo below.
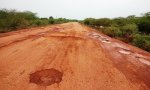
(46, 77)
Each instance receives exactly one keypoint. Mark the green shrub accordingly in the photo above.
(12, 20)
(142, 41)
(40, 22)
(129, 29)
(144, 25)
(103, 22)
(51, 21)
(132, 29)
(120, 21)
(89, 21)
(112, 31)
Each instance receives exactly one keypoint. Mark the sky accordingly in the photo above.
(79, 9)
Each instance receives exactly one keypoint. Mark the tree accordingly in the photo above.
(103, 22)
(51, 17)
(144, 25)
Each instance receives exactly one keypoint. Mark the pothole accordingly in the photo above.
(99, 37)
(125, 51)
(96, 36)
(56, 29)
(105, 40)
(142, 60)
(42, 33)
(46, 77)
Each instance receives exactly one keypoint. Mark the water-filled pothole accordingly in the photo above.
(46, 77)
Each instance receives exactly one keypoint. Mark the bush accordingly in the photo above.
(142, 41)
(144, 26)
(11, 19)
(40, 22)
(102, 22)
(129, 29)
(113, 31)
(120, 21)
(89, 21)
(51, 21)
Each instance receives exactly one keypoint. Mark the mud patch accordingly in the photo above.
(99, 37)
(41, 34)
(104, 40)
(41, 27)
(143, 60)
(22, 72)
(94, 35)
(71, 37)
(125, 51)
(56, 29)
(46, 77)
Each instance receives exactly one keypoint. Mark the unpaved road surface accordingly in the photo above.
(70, 56)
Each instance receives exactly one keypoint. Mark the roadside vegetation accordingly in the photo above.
(13, 20)
(132, 29)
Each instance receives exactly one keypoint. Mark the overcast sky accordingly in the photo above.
(79, 9)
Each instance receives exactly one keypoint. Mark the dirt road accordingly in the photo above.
(70, 57)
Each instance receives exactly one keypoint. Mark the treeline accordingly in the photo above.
(132, 29)
(13, 20)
